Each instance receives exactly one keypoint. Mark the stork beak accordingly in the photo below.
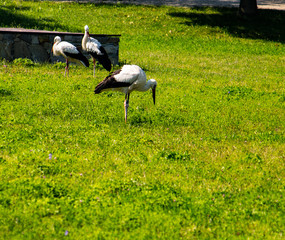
(153, 94)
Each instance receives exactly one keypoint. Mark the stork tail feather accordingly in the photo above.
(84, 61)
(103, 59)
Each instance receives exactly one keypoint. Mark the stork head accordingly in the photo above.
(57, 39)
(153, 85)
(86, 28)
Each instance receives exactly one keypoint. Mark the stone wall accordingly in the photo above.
(37, 44)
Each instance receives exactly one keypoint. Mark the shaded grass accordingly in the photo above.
(206, 162)
(263, 26)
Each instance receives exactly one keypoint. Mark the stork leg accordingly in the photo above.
(94, 65)
(66, 68)
(126, 104)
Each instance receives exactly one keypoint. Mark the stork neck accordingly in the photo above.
(149, 84)
(84, 41)
(55, 49)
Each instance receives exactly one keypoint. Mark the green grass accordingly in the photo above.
(207, 161)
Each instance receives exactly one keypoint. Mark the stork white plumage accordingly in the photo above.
(96, 50)
(69, 52)
(127, 79)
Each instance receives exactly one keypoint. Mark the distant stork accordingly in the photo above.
(127, 79)
(69, 52)
(96, 50)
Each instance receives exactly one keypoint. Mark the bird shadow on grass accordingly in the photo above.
(266, 25)
(10, 17)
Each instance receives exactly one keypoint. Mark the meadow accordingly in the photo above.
(206, 162)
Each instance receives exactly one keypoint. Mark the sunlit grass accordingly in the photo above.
(207, 161)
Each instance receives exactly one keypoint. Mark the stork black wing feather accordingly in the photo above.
(78, 56)
(102, 58)
(110, 82)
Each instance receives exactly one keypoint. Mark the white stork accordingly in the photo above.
(69, 52)
(127, 79)
(96, 50)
